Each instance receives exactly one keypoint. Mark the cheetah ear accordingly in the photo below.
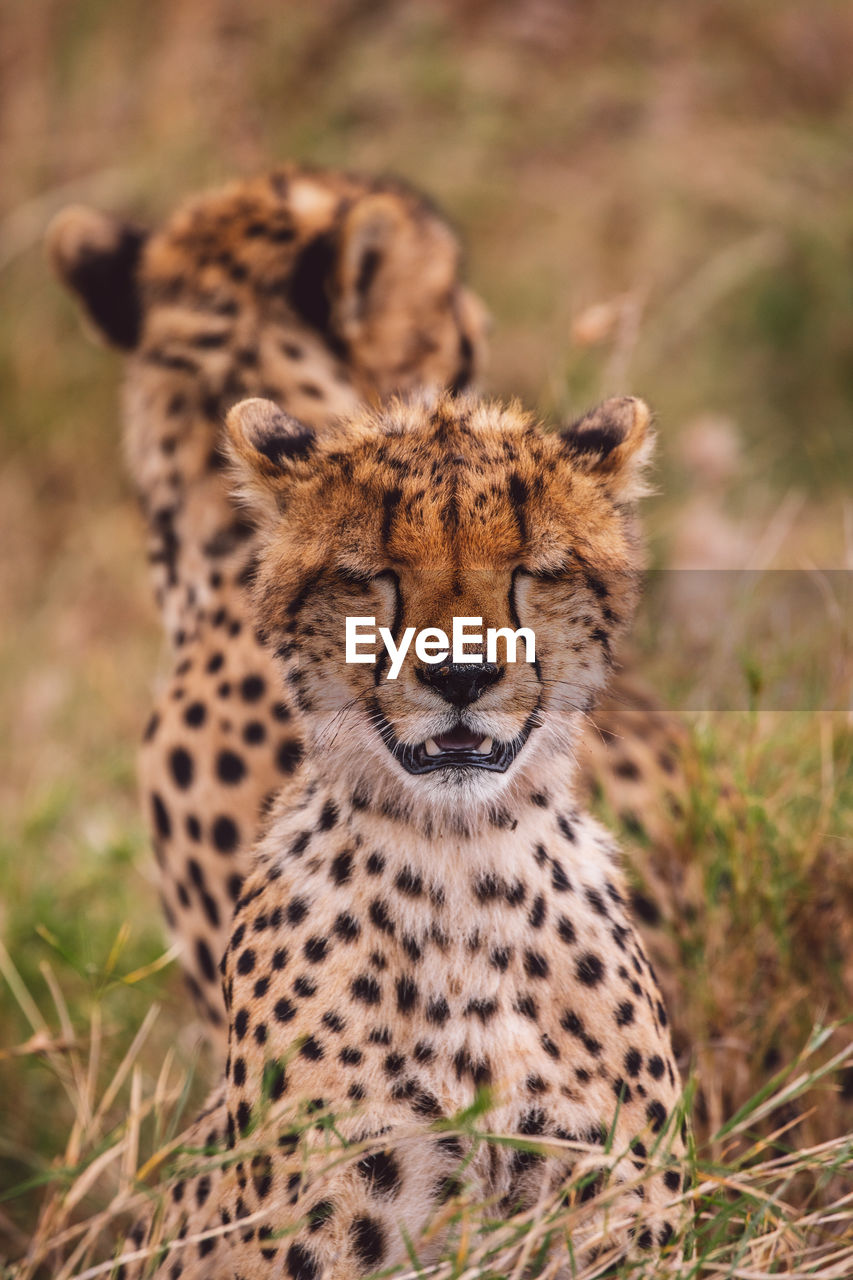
(614, 441)
(393, 261)
(97, 257)
(266, 444)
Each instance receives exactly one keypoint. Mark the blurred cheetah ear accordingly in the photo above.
(266, 444)
(614, 441)
(391, 256)
(97, 257)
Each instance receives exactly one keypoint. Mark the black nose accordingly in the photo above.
(461, 682)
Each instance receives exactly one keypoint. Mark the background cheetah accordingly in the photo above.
(318, 290)
(429, 914)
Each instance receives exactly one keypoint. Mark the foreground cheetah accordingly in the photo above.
(430, 914)
(318, 290)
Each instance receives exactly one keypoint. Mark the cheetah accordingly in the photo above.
(431, 920)
(318, 290)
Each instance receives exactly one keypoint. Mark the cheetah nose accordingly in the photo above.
(461, 682)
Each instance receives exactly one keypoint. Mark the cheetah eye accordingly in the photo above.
(557, 574)
(364, 577)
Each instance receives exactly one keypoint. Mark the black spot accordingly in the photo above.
(379, 916)
(537, 912)
(526, 1006)
(368, 1240)
(366, 988)
(230, 768)
(566, 828)
(499, 958)
(375, 864)
(656, 1066)
(328, 816)
(548, 1045)
(589, 969)
(252, 688)
(656, 1115)
(438, 1011)
(288, 755)
(193, 827)
(409, 882)
(315, 949)
(672, 1179)
(205, 960)
(559, 879)
(195, 715)
(645, 908)
(319, 1214)
(622, 1090)
(162, 821)
(407, 994)
(254, 733)
(535, 964)
(301, 1264)
(346, 927)
(341, 868)
(566, 930)
(625, 1014)
(297, 910)
(312, 1050)
(482, 1009)
(633, 1062)
(225, 834)
(350, 1057)
(284, 1010)
(244, 1116)
(300, 844)
(596, 901)
(381, 1172)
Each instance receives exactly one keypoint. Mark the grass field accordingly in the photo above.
(655, 199)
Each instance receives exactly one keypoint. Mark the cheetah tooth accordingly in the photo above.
(485, 747)
(432, 748)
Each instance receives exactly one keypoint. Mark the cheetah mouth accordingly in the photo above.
(457, 748)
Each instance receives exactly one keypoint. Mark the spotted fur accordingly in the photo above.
(318, 290)
(407, 939)
(321, 290)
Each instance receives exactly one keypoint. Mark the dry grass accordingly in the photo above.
(759, 1211)
(655, 198)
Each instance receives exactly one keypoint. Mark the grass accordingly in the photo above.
(760, 1207)
(654, 199)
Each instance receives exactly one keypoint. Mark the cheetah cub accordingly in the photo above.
(431, 922)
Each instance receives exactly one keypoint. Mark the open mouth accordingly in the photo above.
(458, 748)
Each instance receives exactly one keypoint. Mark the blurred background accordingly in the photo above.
(654, 198)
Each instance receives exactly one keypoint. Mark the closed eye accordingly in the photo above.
(557, 574)
(364, 577)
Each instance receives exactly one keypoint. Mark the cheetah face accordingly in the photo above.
(432, 510)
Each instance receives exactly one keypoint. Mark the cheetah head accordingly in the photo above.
(428, 510)
(296, 285)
